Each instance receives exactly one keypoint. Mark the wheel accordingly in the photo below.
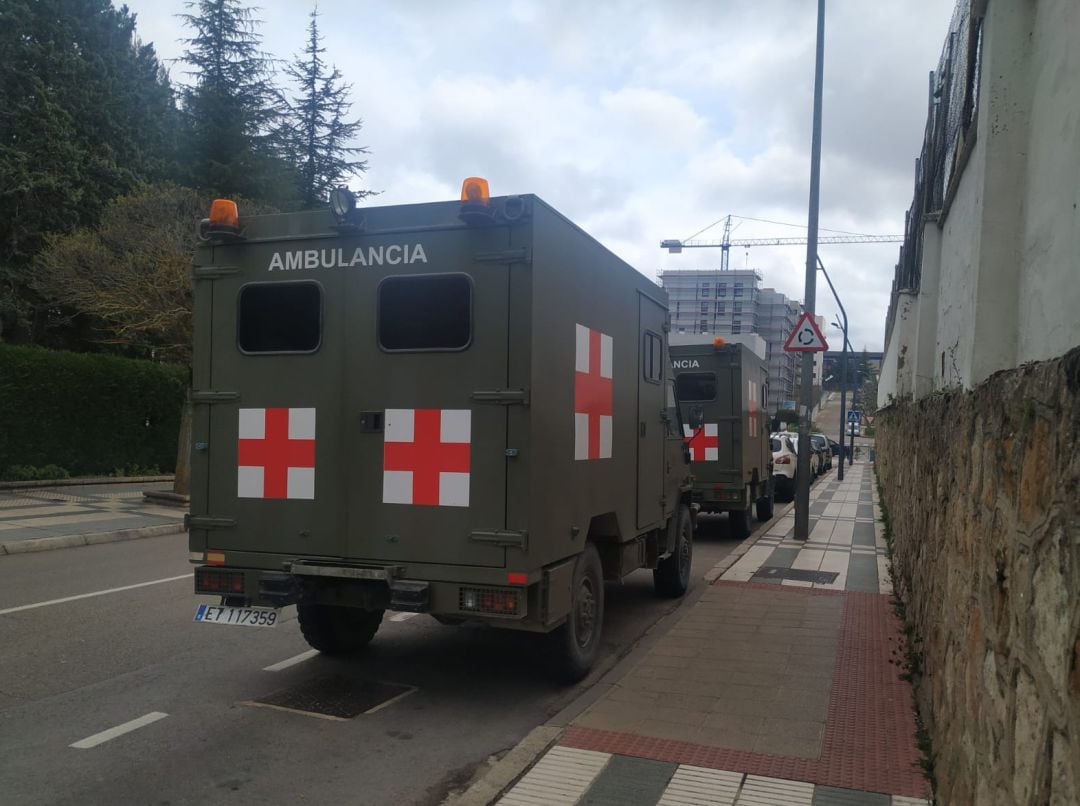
(337, 630)
(741, 522)
(575, 644)
(765, 504)
(671, 577)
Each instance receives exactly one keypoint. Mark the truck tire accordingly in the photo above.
(765, 504)
(337, 630)
(741, 521)
(575, 645)
(671, 577)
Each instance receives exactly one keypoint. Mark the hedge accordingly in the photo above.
(89, 414)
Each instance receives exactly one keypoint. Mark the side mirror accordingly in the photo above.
(697, 417)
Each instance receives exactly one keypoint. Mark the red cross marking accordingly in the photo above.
(427, 456)
(699, 442)
(275, 453)
(592, 394)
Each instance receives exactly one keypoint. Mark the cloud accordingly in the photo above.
(641, 121)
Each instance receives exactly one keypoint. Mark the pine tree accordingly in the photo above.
(318, 129)
(86, 113)
(232, 110)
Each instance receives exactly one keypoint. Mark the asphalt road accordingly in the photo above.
(71, 670)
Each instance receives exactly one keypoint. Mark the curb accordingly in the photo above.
(71, 541)
(20, 485)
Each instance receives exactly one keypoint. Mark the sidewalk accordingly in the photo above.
(779, 685)
(42, 518)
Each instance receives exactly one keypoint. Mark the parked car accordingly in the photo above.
(821, 447)
(785, 462)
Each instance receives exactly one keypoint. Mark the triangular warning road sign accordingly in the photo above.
(806, 337)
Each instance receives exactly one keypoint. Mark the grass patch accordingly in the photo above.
(913, 659)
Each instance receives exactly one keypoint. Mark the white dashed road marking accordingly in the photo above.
(295, 659)
(95, 593)
(119, 730)
(403, 616)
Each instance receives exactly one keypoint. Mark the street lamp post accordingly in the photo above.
(802, 473)
(843, 369)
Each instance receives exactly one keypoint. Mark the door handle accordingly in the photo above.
(641, 428)
(371, 422)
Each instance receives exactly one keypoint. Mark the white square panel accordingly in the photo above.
(252, 424)
(300, 483)
(301, 424)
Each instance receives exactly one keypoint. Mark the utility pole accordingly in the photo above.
(802, 492)
(843, 369)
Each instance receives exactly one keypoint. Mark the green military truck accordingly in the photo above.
(723, 393)
(460, 408)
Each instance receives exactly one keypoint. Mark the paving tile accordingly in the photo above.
(694, 786)
(835, 796)
(761, 791)
(563, 775)
(629, 780)
(800, 728)
(784, 744)
(862, 574)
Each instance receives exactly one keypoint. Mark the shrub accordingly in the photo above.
(86, 414)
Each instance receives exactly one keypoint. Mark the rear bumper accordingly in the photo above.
(711, 498)
(538, 603)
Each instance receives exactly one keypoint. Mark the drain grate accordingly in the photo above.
(769, 574)
(336, 697)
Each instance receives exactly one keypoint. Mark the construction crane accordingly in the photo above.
(675, 246)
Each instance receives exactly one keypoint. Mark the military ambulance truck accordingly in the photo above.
(463, 408)
(722, 390)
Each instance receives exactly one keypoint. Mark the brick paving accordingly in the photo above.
(780, 684)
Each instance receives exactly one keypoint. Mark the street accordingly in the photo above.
(101, 636)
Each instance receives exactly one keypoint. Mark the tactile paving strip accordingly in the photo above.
(693, 786)
(561, 776)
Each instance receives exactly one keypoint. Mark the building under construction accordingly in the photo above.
(727, 303)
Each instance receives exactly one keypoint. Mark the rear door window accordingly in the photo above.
(425, 312)
(696, 386)
(279, 317)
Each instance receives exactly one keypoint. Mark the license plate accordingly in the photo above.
(237, 616)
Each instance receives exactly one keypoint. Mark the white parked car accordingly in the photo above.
(785, 460)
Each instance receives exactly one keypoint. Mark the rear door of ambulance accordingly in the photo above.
(423, 380)
(270, 347)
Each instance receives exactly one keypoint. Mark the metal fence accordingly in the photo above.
(949, 136)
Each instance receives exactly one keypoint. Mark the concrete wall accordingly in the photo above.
(983, 493)
(1049, 292)
(1000, 265)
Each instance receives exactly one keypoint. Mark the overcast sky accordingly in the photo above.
(640, 120)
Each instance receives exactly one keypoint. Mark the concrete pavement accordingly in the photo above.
(779, 685)
(40, 518)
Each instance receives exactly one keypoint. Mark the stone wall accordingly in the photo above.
(983, 494)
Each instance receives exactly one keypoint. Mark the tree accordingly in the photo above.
(232, 111)
(130, 276)
(86, 113)
(129, 279)
(317, 128)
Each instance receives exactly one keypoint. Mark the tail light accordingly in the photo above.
(783, 460)
(490, 601)
(216, 581)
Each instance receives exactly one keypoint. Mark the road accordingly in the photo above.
(126, 649)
